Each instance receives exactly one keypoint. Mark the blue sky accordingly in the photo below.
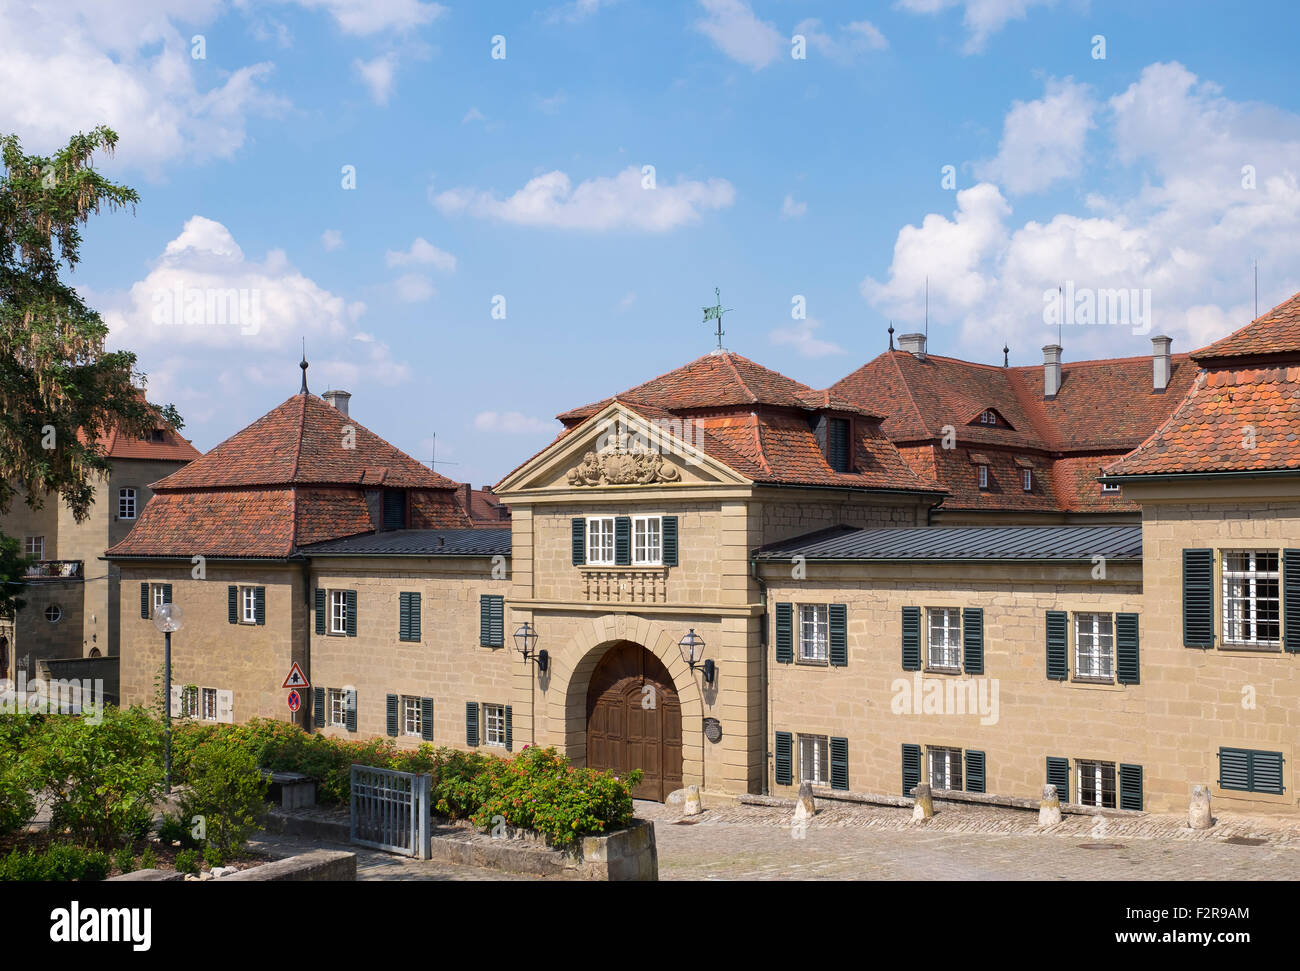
(1165, 167)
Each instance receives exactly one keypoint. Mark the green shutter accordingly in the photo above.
(911, 768)
(622, 540)
(839, 644)
(579, 541)
(392, 715)
(839, 748)
(1198, 598)
(414, 615)
(259, 605)
(1058, 645)
(1126, 649)
(498, 621)
(838, 445)
(352, 612)
(1058, 774)
(471, 724)
(320, 611)
(974, 770)
(426, 718)
(1234, 769)
(1291, 600)
(491, 620)
(668, 536)
(972, 638)
(144, 601)
(1130, 787)
(352, 711)
(784, 759)
(403, 616)
(510, 729)
(232, 604)
(1266, 772)
(912, 639)
(785, 633)
(319, 706)
(167, 593)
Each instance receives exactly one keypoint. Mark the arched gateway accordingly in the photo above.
(634, 719)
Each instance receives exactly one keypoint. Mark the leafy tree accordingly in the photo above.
(59, 388)
(13, 567)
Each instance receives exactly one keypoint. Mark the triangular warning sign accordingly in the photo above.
(296, 678)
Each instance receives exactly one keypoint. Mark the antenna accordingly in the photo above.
(433, 454)
(1256, 263)
(1060, 293)
(927, 310)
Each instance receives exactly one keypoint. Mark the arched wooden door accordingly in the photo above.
(634, 720)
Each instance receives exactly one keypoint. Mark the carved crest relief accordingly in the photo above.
(622, 468)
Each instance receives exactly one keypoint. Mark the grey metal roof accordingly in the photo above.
(962, 543)
(418, 542)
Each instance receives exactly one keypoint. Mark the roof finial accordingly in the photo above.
(715, 313)
(1006, 351)
(891, 335)
(303, 365)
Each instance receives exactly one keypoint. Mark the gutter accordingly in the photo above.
(1193, 476)
(953, 559)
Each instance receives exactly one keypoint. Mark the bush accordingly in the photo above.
(18, 777)
(225, 790)
(187, 861)
(60, 862)
(124, 860)
(173, 830)
(148, 859)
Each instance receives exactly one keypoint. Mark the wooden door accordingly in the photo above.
(634, 720)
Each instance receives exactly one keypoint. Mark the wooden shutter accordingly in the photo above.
(426, 719)
(784, 759)
(668, 537)
(403, 616)
(232, 604)
(352, 612)
(1130, 787)
(839, 749)
(974, 770)
(622, 540)
(392, 715)
(911, 768)
(839, 630)
(167, 593)
(491, 620)
(471, 724)
(259, 605)
(785, 633)
(352, 711)
(579, 541)
(1234, 769)
(838, 444)
(1058, 774)
(1266, 772)
(972, 639)
(510, 729)
(318, 703)
(911, 638)
(394, 508)
(1058, 645)
(416, 633)
(144, 601)
(320, 611)
(225, 707)
(1198, 598)
(1291, 600)
(1126, 649)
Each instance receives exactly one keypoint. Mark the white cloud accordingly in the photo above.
(332, 239)
(982, 18)
(1043, 141)
(473, 115)
(365, 17)
(414, 288)
(790, 209)
(422, 252)
(800, 336)
(576, 11)
(378, 76)
(734, 29)
(512, 423)
(852, 39)
(597, 204)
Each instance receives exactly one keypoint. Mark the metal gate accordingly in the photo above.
(390, 810)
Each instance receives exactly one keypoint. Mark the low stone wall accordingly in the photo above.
(316, 866)
(150, 876)
(939, 795)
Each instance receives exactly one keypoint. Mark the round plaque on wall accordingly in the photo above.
(713, 729)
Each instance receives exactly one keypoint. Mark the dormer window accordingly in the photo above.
(838, 447)
(983, 475)
(988, 417)
(1028, 479)
(394, 509)
(1110, 487)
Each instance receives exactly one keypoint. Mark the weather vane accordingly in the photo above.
(715, 313)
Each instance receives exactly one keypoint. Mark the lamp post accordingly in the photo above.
(526, 644)
(167, 618)
(692, 648)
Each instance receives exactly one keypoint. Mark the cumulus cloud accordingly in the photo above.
(791, 209)
(800, 335)
(576, 11)
(982, 18)
(414, 288)
(332, 239)
(378, 76)
(512, 423)
(1043, 141)
(735, 31)
(603, 203)
(422, 252)
(850, 40)
(366, 17)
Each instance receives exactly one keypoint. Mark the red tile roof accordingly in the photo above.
(172, 448)
(253, 522)
(1276, 332)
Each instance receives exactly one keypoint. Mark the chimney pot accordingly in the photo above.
(338, 400)
(914, 344)
(1161, 364)
(1051, 370)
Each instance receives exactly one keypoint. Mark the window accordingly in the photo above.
(838, 446)
(989, 417)
(1109, 487)
(983, 476)
(814, 632)
(155, 435)
(394, 508)
(1250, 770)
(126, 504)
(338, 611)
(814, 759)
(189, 702)
(209, 704)
(600, 541)
(1096, 784)
(34, 546)
(945, 767)
(412, 723)
(248, 605)
(338, 708)
(494, 725)
(1251, 605)
(647, 540)
(1094, 645)
(1029, 480)
(53, 613)
(945, 639)
(158, 595)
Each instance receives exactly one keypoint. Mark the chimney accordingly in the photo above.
(339, 399)
(1051, 370)
(914, 344)
(1161, 366)
(463, 492)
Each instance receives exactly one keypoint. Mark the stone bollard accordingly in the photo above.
(804, 807)
(1049, 810)
(1198, 813)
(692, 806)
(923, 808)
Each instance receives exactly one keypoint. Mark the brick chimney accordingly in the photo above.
(1051, 370)
(463, 495)
(914, 344)
(1161, 365)
(338, 399)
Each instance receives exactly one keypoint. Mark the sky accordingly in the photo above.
(478, 215)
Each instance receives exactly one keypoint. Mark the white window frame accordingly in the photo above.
(949, 648)
(190, 701)
(157, 596)
(208, 704)
(126, 503)
(412, 716)
(1094, 646)
(336, 704)
(948, 762)
(600, 540)
(1242, 597)
(494, 725)
(1090, 778)
(644, 551)
(248, 605)
(34, 546)
(814, 632)
(58, 613)
(1028, 479)
(815, 759)
(1109, 487)
(983, 476)
(338, 612)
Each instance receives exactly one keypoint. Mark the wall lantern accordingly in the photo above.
(526, 644)
(692, 646)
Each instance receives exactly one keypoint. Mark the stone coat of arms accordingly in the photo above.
(622, 468)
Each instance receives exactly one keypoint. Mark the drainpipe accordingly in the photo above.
(308, 703)
(767, 691)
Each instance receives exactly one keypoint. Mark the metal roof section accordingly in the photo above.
(417, 542)
(1061, 543)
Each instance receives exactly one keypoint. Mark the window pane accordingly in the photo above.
(814, 631)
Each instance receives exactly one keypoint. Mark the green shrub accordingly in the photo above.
(214, 857)
(225, 789)
(124, 860)
(18, 777)
(148, 859)
(175, 829)
(187, 861)
(61, 862)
